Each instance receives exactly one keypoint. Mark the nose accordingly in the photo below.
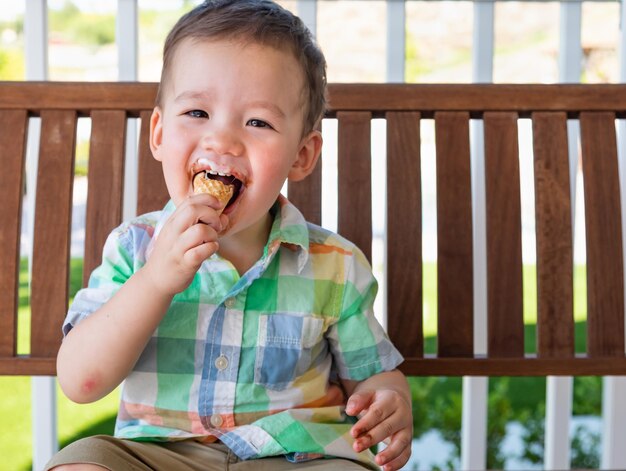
(222, 140)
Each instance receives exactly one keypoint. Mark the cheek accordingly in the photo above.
(177, 138)
(275, 175)
(277, 162)
(177, 180)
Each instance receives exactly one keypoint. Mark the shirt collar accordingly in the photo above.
(289, 230)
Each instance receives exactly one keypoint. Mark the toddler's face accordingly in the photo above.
(235, 109)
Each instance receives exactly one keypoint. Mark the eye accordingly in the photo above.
(197, 114)
(257, 123)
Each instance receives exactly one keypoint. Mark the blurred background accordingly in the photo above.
(82, 45)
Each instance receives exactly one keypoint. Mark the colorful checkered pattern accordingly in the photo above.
(252, 361)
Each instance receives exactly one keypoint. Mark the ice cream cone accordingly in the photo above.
(221, 191)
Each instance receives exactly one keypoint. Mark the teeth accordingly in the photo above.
(221, 174)
(215, 172)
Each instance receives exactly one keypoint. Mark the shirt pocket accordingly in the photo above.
(284, 349)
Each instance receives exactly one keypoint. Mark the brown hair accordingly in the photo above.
(261, 21)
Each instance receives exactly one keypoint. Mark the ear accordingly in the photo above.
(156, 132)
(308, 154)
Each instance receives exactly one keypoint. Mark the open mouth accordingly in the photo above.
(225, 179)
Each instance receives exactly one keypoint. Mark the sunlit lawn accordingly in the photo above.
(76, 420)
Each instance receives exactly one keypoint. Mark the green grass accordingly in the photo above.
(76, 421)
(529, 277)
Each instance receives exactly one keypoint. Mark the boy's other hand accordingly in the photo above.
(385, 415)
(186, 240)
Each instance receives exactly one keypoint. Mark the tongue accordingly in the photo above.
(222, 178)
(227, 180)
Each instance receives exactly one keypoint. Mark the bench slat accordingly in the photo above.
(476, 98)
(605, 277)
(530, 365)
(151, 189)
(455, 332)
(53, 210)
(106, 183)
(404, 233)
(555, 322)
(27, 365)
(354, 174)
(370, 97)
(12, 145)
(81, 96)
(504, 236)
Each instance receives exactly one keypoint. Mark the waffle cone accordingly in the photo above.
(216, 188)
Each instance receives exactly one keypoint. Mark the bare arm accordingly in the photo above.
(383, 404)
(101, 351)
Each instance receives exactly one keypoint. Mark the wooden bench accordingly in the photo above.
(596, 107)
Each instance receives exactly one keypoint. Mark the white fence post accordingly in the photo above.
(558, 411)
(475, 389)
(44, 411)
(127, 39)
(43, 388)
(307, 11)
(614, 387)
(614, 425)
(396, 40)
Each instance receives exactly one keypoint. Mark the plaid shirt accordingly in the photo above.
(253, 360)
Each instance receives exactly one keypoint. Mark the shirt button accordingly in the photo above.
(230, 303)
(216, 420)
(221, 362)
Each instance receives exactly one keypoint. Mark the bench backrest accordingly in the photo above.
(550, 107)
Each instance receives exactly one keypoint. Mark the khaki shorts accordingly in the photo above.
(118, 455)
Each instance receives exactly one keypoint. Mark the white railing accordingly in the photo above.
(474, 421)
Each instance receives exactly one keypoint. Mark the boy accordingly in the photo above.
(239, 330)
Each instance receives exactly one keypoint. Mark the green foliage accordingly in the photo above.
(585, 449)
(446, 417)
(418, 64)
(414, 66)
(11, 50)
(437, 404)
(533, 437)
(499, 413)
(585, 444)
(420, 390)
(82, 28)
(76, 279)
(12, 64)
(82, 157)
(587, 395)
(16, 25)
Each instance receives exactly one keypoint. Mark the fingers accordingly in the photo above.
(375, 426)
(194, 237)
(198, 254)
(383, 416)
(359, 402)
(190, 235)
(194, 210)
(398, 452)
